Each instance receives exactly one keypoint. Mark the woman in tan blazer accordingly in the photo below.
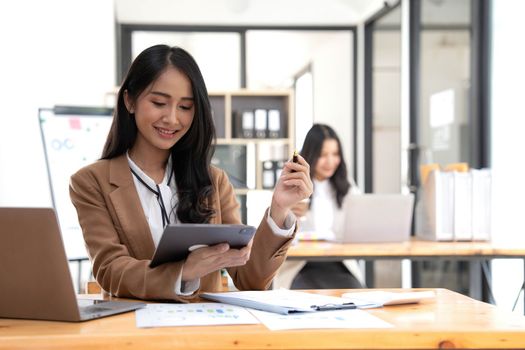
(155, 170)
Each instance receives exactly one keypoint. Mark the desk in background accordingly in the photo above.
(451, 321)
(416, 249)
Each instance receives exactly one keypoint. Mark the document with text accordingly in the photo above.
(281, 301)
(196, 314)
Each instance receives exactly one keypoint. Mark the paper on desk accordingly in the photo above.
(281, 301)
(320, 320)
(380, 298)
(196, 314)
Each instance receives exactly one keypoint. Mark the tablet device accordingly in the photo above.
(178, 240)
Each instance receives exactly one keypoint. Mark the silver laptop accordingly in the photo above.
(377, 218)
(36, 282)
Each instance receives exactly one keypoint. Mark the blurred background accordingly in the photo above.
(404, 83)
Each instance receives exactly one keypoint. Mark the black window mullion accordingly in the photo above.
(414, 90)
(354, 92)
(368, 117)
(480, 83)
(243, 67)
(123, 52)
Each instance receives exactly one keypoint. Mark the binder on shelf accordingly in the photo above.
(462, 206)
(274, 124)
(455, 205)
(268, 175)
(261, 123)
(248, 121)
(459, 167)
(237, 131)
(426, 169)
(481, 204)
(435, 208)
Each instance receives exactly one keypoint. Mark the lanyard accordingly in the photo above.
(163, 212)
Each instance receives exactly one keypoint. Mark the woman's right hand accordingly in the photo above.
(300, 209)
(203, 261)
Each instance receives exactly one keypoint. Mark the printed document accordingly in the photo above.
(379, 298)
(196, 314)
(321, 320)
(281, 301)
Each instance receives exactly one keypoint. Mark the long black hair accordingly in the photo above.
(312, 147)
(191, 155)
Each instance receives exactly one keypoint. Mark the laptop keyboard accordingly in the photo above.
(92, 309)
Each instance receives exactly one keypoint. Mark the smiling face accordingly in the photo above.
(163, 113)
(328, 161)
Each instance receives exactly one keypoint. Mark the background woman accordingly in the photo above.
(322, 215)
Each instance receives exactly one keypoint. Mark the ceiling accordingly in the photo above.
(246, 12)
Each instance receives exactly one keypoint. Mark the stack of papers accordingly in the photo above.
(364, 300)
(281, 301)
(218, 314)
(279, 309)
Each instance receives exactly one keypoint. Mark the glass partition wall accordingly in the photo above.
(447, 117)
(445, 81)
(383, 121)
(384, 106)
(443, 127)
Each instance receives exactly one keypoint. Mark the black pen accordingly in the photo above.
(328, 307)
(295, 159)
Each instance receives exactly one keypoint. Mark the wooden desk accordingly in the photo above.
(451, 321)
(413, 250)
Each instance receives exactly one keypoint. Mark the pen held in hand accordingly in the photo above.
(295, 159)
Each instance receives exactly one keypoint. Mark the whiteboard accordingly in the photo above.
(72, 137)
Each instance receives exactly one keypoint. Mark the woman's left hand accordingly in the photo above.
(293, 186)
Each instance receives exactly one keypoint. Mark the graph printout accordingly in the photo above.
(194, 314)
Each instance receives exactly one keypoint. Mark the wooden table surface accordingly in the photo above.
(412, 249)
(450, 321)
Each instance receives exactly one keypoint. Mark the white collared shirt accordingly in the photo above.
(324, 217)
(149, 200)
(153, 213)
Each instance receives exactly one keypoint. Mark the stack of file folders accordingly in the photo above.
(455, 206)
(258, 123)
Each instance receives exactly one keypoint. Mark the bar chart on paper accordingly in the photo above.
(197, 314)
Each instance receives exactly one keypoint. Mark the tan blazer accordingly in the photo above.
(120, 245)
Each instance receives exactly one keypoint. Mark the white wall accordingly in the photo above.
(333, 94)
(53, 52)
(508, 143)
